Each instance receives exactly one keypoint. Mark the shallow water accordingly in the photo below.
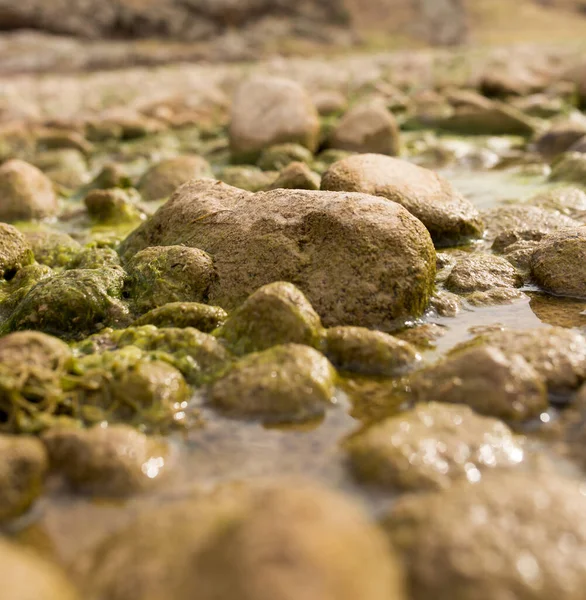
(225, 450)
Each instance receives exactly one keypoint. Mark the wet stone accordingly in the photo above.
(480, 273)
(204, 317)
(431, 447)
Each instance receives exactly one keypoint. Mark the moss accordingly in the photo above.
(289, 383)
(72, 304)
(127, 385)
(277, 313)
(185, 314)
(22, 474)
(53, 248)
(162, 274)
(278, 157)
(197, 355)
(15, 251)
(361, 350)
(13, 291)
(96, 257)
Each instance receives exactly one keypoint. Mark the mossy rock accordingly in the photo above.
(53, 248)
(13, 291)
(199, 356)
(203, 317)
(162, 274)
(297, 176)
(126, 385)
(278, 157)
(15, 251)
(361, 350)
(112, 206)
(95, 257)
(285, 384)
(277, 313)
(248, 178)
(72, 304)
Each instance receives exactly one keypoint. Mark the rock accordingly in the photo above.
(422, 336)
(327, 158)
(130, 386)
(113, 206)
(361, 350)
(329, 102)
(251, 179)
(197, 355)
(277, 313)
(497, 295)
(53, 248)
(558, 264)
(26, 575)
(26, 192)
(279, 236)
(223, 545)
(296, 176)
(523, 218)
(479, 542)
(517, 246)
(184, 314)
(22, 474)
(560, 138)
(431, 447)
(570, 201)
(498, 119)
(446, 214)
(96, 258)
(161, 274)
(446, 304)
(289, 383)
(480, 273)
(268, 111)
(570, 167)
(33, 349)
(367, 127)
(112, 175)
(278, 157)
(15, 251)
(161, 180)
(66, 168)
(106, 461)
(510, 80)
(557, 354)
(493, 384)
(72, 304)
(14, 290)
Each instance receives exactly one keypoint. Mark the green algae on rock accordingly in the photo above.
(203, 317)
(557, 354)
(72, 304)
(22, 474)
(214, 546)
(503, 537)
(285, 384)
(278, 157)
(161, 274)
(161, 180)
(197, 355)
(493, 384)
(431, 447)
(26, 192)
(27, 575)
(15, 251)
(279, 236)
(96, 257)
(450, 218)
(267, 111)
(277, 313)
(114, 205)
(106, 461)
(558, 264)
(126, 385)
(53, 248)
(361, 350)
